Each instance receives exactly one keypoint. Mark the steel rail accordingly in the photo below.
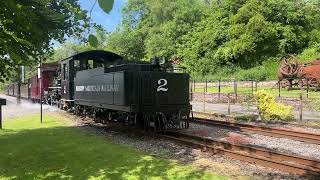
(275, 132)
(280, 161)
(285, 162)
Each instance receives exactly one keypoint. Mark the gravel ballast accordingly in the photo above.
(273, 143)
(163, 148)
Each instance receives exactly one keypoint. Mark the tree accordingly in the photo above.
(126, 42)
(162, 23)
(246, 33)
(28, 27)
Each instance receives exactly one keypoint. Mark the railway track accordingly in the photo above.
(280, 161)
(275, 132)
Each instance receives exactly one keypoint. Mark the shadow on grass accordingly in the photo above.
(65, 152)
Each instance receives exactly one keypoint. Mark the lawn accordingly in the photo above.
(52, 150)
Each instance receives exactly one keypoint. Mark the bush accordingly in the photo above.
(270, 110)
(266, 71)
(310, 53)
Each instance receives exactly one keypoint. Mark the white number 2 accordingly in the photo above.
(162, 83)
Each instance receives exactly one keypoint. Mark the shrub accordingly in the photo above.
(269, 109)
(310, 53)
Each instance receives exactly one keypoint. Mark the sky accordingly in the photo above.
(108, 21)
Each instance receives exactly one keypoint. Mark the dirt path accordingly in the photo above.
(12, 109)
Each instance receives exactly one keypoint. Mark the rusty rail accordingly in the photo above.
(275, 132)
(285, 162)
(280, 161)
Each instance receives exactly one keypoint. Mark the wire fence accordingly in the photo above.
(237, 97)
(239, 88)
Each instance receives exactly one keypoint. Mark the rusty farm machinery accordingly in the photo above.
(293, 74)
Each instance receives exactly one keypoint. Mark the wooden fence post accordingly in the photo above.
(219, 89)
(279, 88)
(256, 85)
(204, 99)
(307, 88)
(229, 103)
(235, 88)
(206, 85)
(252, 87)
(301, 104)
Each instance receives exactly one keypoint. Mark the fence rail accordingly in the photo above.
(250, 87)
(231, 93)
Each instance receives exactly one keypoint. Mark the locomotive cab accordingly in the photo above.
(79, 62)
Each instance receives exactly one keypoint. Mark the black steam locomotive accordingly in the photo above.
(142, 94)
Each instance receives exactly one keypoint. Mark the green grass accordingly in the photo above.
(52, 150)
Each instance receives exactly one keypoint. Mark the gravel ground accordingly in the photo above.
(279, 144)
(286, 145)
(163, 148)
(282, 125)
(294, 127)
(208, 131)
(12, 109)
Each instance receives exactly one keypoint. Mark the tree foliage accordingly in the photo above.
(154, 27)
(210, 35)
(106, 5)
(28, 28)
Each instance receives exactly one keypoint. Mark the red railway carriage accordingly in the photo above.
(47, 74)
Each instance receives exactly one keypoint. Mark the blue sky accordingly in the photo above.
(108, 21)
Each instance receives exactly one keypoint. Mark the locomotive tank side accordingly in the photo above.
(97, 89)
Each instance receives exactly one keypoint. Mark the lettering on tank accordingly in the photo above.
(108, 88)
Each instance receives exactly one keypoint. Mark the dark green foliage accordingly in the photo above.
(29, 27)
(127, 43)
(154, 28)
(93, 41)
(241, 39)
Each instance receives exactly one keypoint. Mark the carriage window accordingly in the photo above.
(90, 64)
(76, 64)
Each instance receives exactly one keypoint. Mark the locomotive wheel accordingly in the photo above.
(77, 110)
(160, 121)
(185, 124)
(146, 120)
(138, 120)
(313, 83)
(285, 83)
(111, 116)
(302, 83)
